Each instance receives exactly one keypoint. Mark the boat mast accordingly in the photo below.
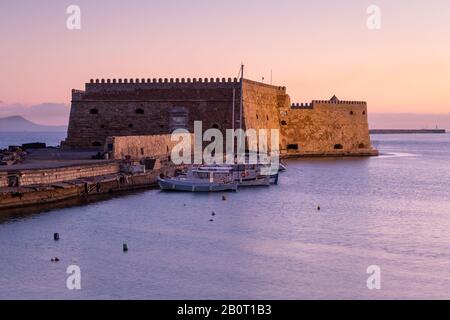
(241, 107)
(232, 111)
(242, 95)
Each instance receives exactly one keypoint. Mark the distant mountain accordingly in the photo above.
(20, 124)
(52, 114)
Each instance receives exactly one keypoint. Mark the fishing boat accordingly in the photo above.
(246, 175)
(197, 180)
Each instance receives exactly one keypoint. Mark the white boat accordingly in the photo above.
(221, 177)
(246, 175)
(200, 181)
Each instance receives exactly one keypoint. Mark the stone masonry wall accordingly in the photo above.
(3, 179)
(138, 147)
(48, 176)
(326, 127)
(148, 108)
(261, 106)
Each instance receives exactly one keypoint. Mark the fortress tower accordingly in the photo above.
(326, 127)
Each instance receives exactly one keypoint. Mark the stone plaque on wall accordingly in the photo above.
(178, 118)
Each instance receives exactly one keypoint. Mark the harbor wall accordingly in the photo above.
(408, 131)
(82, 188)
(138, 147)
(54, 175)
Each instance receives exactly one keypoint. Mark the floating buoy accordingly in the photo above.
(56, 259)
(211, 220)
(213, 213)
(224, 198)
(318, 208)
(125, 247)
(56, 236)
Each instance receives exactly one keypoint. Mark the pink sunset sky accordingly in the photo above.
(315, 48)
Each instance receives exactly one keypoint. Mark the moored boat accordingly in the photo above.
(246, 175)
(221, 177)
(199, 181)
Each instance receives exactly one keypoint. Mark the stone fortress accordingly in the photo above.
(119, 135)
(155, 107)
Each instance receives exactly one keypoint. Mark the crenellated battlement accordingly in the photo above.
(315, 102)
(165, 80)
(302, 106)
(338, 102)
(129, 84)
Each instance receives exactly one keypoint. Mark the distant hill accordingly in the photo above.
(20, 124)
(52, 114)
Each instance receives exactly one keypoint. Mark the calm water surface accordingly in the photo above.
(19, 138)
(270, 243)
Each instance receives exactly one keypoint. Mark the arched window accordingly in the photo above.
(361, 146)
(140, 111)
(364, 113)
(215, 126)
(351, 112)
(283, 123)
(93, 111)
(338, 146)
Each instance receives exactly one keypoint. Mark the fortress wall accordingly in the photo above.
(323, 127)
(138, 147)
(48, 176)
(261, 105)
(87, 130)
(96, 114)
(3, 179)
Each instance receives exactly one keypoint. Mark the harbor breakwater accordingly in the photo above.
(78, 187)
(407, 131)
